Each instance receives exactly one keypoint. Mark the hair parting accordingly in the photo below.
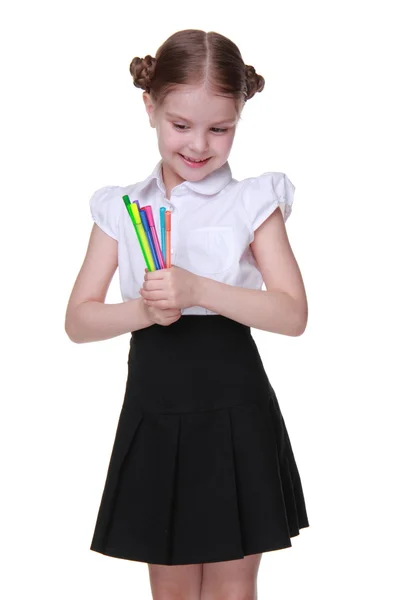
(194, 57)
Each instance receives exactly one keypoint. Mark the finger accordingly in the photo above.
(158, 274)
(169, 312)
(159, 304)
(150, 286)
(154, 295)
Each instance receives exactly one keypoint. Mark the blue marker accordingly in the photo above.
(162, 226)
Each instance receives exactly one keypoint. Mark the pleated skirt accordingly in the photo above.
(202, 468)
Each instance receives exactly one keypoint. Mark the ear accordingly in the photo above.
(149, 107)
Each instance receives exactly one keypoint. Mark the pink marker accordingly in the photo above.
(154, 235)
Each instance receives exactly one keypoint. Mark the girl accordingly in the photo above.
(202, 478)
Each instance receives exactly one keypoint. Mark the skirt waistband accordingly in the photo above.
(197, 363)
(191, 332)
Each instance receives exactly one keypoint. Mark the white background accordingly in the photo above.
(71, 122)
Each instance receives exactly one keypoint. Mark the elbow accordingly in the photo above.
(73, 339)
(298, 331)
(70, 334)
(69, 329)
(300, 323)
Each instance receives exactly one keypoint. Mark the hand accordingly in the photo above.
(173, 288)
(162, 316)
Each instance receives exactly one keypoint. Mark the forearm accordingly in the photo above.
(273, 311)
(93, 321)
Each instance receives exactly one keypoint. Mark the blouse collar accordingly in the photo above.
(208, 186)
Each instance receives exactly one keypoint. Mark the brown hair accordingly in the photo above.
(193, 57)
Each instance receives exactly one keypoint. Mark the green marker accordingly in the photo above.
(140, 232)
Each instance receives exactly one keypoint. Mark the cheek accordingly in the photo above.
(169, 139)
(176, 142)
(224, 143)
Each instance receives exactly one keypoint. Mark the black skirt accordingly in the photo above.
(202, 468)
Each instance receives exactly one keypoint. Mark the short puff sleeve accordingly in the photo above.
(105, 209)
(263, 194)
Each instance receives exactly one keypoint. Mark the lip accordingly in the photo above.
(194, 165)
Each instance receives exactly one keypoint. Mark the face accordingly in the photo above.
(194, 124)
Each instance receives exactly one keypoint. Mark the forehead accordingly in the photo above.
(198, 104)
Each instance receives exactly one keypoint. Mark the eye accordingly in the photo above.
(184, 127)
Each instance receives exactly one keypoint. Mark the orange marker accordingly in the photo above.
(168, 238)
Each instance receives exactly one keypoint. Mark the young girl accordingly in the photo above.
(202, 478)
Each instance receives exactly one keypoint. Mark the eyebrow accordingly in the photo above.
(179, 118)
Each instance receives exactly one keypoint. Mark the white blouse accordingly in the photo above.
(212, 224)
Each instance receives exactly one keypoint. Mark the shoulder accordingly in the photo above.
(106, 204)
(262, 194)
(271, 185)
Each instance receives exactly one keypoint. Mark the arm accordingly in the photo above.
(283, 307)
(88, 318)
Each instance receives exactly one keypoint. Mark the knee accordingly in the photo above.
(249, 593)
(174, 595)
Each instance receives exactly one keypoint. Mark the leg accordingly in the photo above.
(232, 579)
(175, 582)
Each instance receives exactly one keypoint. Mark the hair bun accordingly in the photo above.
(255, 82)
(142, 71)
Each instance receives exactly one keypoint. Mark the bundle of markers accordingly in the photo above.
(155, 257)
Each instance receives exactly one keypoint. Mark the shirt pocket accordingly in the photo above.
(210, 249)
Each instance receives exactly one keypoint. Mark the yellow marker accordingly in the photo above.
(134, 214)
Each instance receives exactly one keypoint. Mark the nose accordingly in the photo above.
(198, 143)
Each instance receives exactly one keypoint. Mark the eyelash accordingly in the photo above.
(220, 130)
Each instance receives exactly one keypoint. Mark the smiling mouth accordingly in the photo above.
(194, 160)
